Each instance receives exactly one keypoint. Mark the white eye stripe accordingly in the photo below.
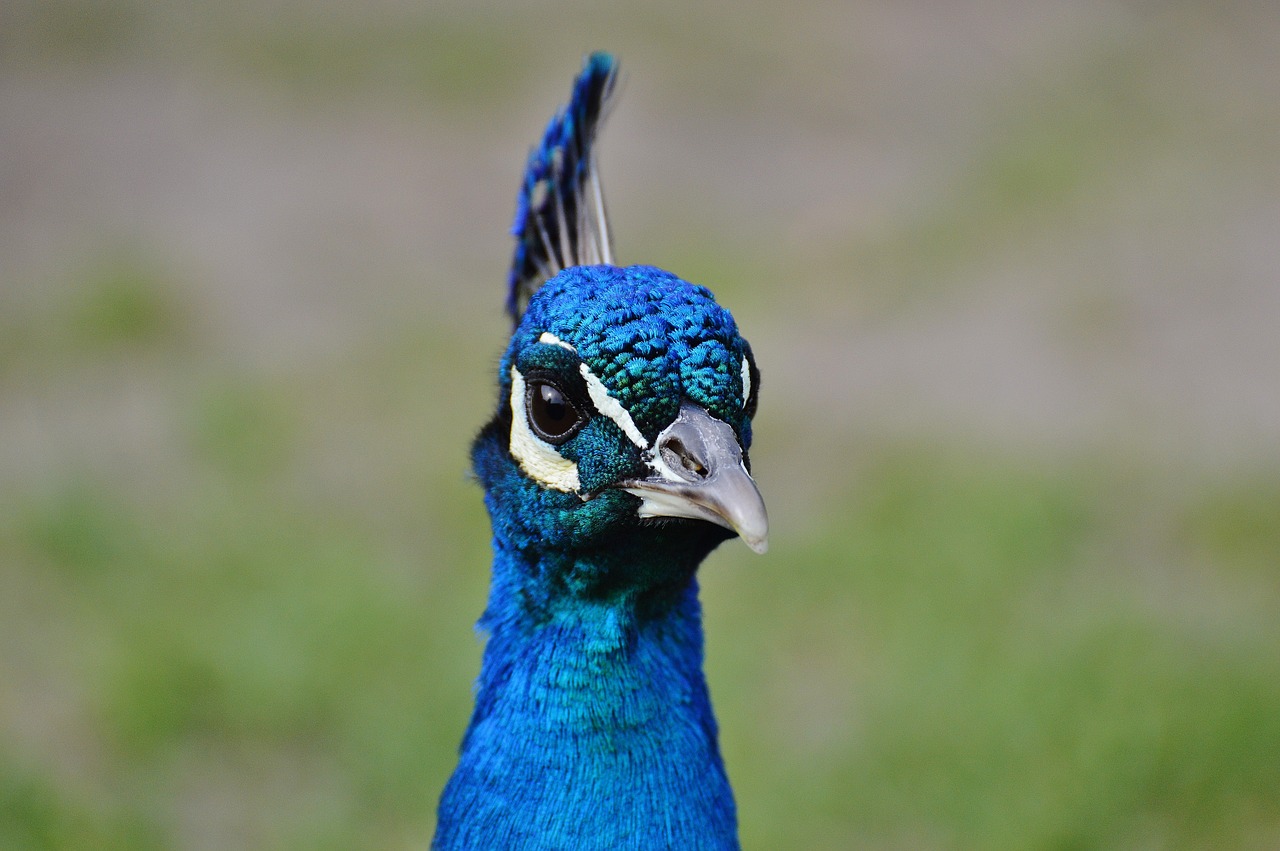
(611, 407)
(539, 459)
(552, 340)
(746, 381)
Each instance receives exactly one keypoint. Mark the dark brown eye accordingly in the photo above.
(552, 416)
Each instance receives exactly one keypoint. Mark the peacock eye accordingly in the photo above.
(552, 416)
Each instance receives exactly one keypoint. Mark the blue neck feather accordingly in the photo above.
(592, 726)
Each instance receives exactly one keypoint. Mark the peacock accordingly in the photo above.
(615, 462)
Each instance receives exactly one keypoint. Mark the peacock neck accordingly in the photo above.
(606, 661)
(592, 726)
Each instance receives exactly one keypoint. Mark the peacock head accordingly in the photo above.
(617, 458)
(625, 405)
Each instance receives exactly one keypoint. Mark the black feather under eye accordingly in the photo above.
(551, 415)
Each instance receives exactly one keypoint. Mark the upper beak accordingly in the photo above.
(698, 473)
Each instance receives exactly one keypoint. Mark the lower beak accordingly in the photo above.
(699, 474)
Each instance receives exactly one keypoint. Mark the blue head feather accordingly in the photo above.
(592, 727)
(651, 337)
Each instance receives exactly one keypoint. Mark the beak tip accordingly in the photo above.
(758, 545)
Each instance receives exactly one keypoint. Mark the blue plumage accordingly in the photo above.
(615, 462)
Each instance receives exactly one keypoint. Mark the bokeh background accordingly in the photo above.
(1012, 273)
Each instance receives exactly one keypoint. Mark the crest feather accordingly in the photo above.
(560, 214)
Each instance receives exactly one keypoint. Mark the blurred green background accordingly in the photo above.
(1011, 273)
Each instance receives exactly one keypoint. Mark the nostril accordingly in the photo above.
(679, 457)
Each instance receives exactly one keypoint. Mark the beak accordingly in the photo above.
(698, 473)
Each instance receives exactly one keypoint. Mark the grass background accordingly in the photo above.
(1010, 273)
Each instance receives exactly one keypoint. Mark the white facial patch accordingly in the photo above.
(539, 459)
(611, 407)
(552, 340)
(746, 381)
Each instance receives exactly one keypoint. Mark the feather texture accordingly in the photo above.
(560, 214)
